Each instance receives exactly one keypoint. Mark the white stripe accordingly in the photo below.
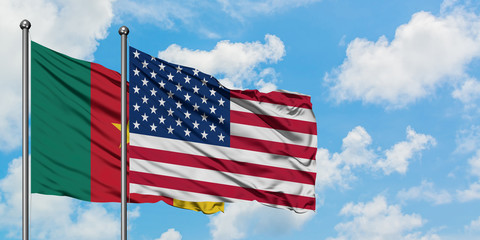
(221, 152)
(226, 178)
(271, 109)
(193, 197)
(269, 134)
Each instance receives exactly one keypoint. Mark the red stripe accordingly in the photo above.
(216, 164)
(284, 149)
(217, 189)
(105, 107)
(141, 198)
(283, 98)
(279, 123)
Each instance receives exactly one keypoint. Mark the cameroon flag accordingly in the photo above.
(75, 133)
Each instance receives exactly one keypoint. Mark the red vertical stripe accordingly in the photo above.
(105, 157)
(105, 109)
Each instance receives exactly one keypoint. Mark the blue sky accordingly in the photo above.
(395, 89)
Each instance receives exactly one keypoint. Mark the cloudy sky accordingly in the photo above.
(395, 88)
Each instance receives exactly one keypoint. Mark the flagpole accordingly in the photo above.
(25, 26)
(123, 31)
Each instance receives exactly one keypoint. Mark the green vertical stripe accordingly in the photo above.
(60, 124)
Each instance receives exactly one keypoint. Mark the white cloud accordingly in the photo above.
(251, 218)
(238, 63)
(355, 150)
(337, 168)
(168, 14)
(468, 93)
(474, 163)
(170, 234)
(331, 171)
(133, 213)
(397, 157)
(175, 15)
(426, 52)
(474, 226)
(53, 217)
(468, 140)
(473, 192)
(425, 192)
(378, 220)
(241, 9)
(72, 27)
(470, 194)
(163, 13)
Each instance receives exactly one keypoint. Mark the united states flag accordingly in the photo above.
(194, 140)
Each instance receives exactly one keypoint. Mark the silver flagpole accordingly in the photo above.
(25, 26)
(123, 31)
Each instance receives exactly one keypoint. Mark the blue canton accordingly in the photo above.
(173, 101)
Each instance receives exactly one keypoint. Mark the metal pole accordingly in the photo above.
(25, 26)
(123, 31)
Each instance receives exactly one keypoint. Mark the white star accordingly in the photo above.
(195, 107)
(212, 127)
(204, 117)
(154, 92)
(145, 64)
(220, 86)
(221, 119)
(221, 102)
(179, 69)
(212, 92)
(162, 102)
(187, 79)
(170, 77)
(136, 89)
(170, 112)
(170, 94)
(204, 99)
(187, 114)
(213, 109)
(153, 74)
(144, 81)
(136, 125)
(221, 137)
(195, 89)
(179, 87)
(161, 119)
(162, 67)
(136, 107)
(153, 127)
(170, 130)
(145, 117)
(187, 97)
(145, 99)
(152, 58)
(136, 72)
(153, 109)
(162, 84)
(187, 132)
(136, 53)
(179, 122)
(195, 124)
(204, 82)
(204, 135)
(195, 72)
(179, 104)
